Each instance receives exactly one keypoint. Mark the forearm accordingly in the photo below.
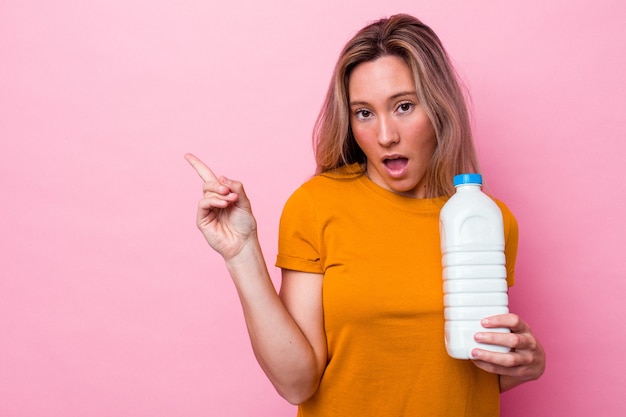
(281, 349)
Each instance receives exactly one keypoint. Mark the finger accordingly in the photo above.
(208, 209)
(487, 366)
(218, 188)
(510, 321)
(206, 213)
(214, 202)
(510, 340)
(204, 171)
(237, 188)
(501, 363)
(496, 368)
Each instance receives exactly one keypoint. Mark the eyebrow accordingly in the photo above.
(393, 97)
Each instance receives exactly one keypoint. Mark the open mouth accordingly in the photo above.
(396, 164)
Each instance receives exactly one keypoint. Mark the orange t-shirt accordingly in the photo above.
(383, 301)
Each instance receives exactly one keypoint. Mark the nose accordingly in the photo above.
(388, 133)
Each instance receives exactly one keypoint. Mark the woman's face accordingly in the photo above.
(390, 125)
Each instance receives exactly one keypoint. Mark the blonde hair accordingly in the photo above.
(437, 87)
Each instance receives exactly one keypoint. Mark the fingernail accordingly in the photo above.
(484, 322)
(475, 353)
(478, 336)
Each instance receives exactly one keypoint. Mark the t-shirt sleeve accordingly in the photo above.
(511, 237)
(298, 235)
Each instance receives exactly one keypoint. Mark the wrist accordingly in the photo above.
(246, 256)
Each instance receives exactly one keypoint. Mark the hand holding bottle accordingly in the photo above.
(525, 362)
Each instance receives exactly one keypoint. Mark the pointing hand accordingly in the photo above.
(224, 213)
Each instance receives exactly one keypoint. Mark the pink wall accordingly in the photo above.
(111, 303)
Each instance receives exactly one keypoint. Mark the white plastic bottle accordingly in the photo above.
(474, 268)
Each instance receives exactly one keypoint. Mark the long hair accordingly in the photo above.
(437, 87)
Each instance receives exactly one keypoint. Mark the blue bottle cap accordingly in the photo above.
(468, 179)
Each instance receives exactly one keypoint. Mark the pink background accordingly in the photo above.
(111, 303)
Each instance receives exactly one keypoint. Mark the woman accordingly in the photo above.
(357, 328)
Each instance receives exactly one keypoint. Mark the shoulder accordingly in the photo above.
(503, 206)
(508, 218)
(325, 193)
(506, 211)
(328, 183)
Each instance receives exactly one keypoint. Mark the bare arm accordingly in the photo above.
(286, 332)
(301, 294)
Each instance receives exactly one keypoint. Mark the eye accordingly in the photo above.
(363, 114)
(405, 107)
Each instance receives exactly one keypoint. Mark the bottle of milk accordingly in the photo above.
(474, 271)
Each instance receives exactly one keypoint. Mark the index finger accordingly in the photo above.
(509, 320)
(204, 171)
